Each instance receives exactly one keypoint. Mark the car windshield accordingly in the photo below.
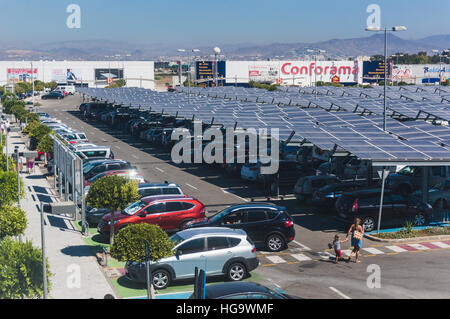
(133, 208)
(408, 170)
(221, 214)
(176, 239)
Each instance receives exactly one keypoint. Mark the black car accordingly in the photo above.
(397, 209)
(106, 166)
(53, 95)
(265, 223)
(329, 194)
(242, 290)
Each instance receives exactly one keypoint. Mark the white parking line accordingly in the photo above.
(339, 293)
(301, 257)
(135, 156)
(440, 244)
(241, 198)
(117, 147)
(157, 168)
(396, 249)
(191, 186)
(325, 255)
(276, 259)
(303, 247)
(373, 251)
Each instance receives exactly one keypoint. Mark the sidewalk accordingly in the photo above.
(77, 274)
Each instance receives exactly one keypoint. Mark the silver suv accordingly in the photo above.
(217, 250)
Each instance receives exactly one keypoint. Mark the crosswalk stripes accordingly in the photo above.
(440, 244)
(276, 259)
(396, 249)
(346, 252)
(419, 246)
(301, 257)
(373, 251)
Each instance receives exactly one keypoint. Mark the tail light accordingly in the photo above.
(253, 168)
(288, 223)
(203, 211)
(254, 249)
(355, 206)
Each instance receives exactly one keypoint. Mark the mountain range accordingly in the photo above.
(107, 50)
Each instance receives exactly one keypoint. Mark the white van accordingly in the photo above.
(70, 89)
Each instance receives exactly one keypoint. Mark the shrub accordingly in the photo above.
(8, 187)
(129, 244)
(13, 221)
(21, 270)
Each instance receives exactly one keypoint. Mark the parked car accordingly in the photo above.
(306, 186)
(329, 194)
(438, 195)
(107, 166)
(397, 209)
(219, 251)
(409, 178)
(130, 173)
(75, 137)
(95, 152)
(53, 95)
(166, 211)
(242, 290)
(265, 223)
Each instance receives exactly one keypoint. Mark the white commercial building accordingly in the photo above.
(92, 73)
(302, 73)
(420, 73)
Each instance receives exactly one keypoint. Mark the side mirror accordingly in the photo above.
(142, 214)
(179, 252)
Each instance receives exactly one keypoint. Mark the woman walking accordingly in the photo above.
(30, 165)
(357, 232)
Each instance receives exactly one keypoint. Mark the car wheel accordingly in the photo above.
(236, 272)
(420, 219)
(161, 279)
(275, 242)
(368, 223)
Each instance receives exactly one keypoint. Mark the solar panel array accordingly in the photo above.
(328, 117)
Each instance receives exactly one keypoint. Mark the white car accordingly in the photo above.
(250, 171)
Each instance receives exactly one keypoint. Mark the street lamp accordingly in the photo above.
(216, 53)
(189, 70)
(316, 51)
(397, 55)
(385, 30)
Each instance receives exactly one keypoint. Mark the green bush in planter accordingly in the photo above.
(13, 221)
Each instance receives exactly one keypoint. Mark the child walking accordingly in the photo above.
(336, 244)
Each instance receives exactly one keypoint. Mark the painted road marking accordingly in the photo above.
(346, 252)
(276, 259)
(325, 255)
(303, 247)
(407, 247)
(157, 168)
(191, 186)
(373, 251)
(339, 293)
(135, 156)
(440, 244)
(419, 246)
(301, 257)
(397, 249)
(228, 192)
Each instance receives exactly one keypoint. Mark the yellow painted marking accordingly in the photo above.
(267, 265)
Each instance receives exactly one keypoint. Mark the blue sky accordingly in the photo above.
(209, 22)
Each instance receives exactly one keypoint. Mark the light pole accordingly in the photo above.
(216, 53)
(385, 30)
(189, 70)
(397, 55)
(316, 51)
(32, 83)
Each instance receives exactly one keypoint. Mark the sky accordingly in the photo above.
(210, 22)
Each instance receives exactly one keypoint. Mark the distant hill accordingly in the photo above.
(105, 49)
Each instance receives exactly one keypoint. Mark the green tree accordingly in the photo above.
(39, 85)
(3, 159)
(13, 221)
(39, 132)
(8, 186)
(21, 270)
(129, 244)
(31, 126)
(45, 146)
(112, 192)
(51, 85)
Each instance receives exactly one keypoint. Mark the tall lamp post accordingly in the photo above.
(385, 30)
(189, 69)
(315, 51)
(216, 53)
(397, 55)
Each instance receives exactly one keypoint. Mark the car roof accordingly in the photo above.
(256, 205)
(149, 185)
(94, 148)
(154, 198)
(231, 288)
(210, 231)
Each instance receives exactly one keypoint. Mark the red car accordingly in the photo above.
(166, 211)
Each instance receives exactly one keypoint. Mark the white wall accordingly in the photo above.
(414, 73)
(137, 73)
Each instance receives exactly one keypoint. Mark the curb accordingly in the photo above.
(403, 240)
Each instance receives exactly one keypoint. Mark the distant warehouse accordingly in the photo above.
(80, 73)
